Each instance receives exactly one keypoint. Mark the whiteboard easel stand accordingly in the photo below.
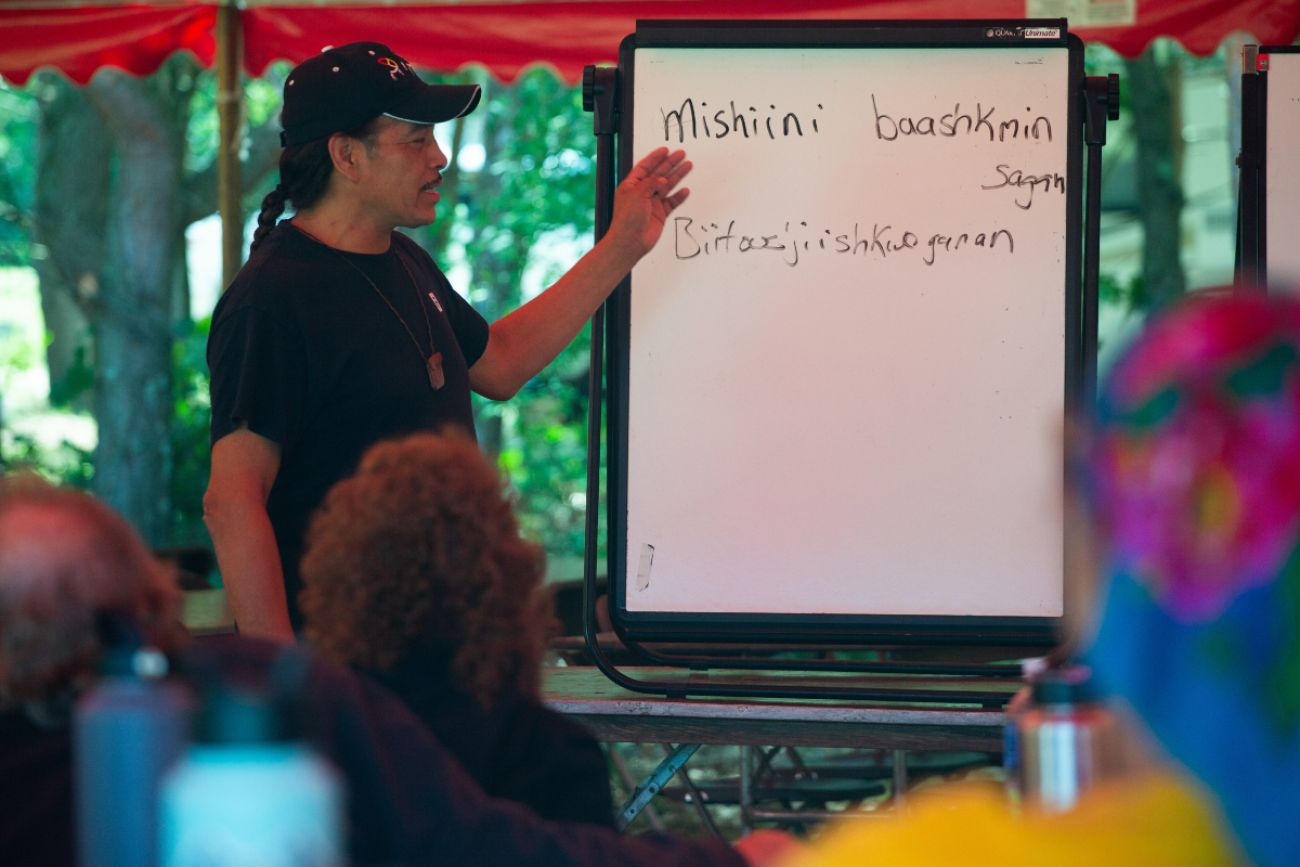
(600, 86)
(1250, 267)
(1101, 104)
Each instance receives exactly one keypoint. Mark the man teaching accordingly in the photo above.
(339, 331)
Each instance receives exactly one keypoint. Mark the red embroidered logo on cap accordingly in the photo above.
(395, 67)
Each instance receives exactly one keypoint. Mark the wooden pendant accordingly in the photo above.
(436, 377)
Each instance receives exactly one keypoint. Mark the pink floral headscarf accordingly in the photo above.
(1194, 480)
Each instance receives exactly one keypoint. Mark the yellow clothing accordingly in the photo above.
(1157, 821)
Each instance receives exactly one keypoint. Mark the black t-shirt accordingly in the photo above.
(305, 352)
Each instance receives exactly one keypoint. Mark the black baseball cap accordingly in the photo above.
(342, 88)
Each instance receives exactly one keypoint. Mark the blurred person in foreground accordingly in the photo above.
(415, 574)
(66, 558)
(1189, 478)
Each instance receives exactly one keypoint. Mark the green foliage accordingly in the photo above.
(529, 210)
(191, 458)
(550, 174)
(77, 382)
(63, 463)
(1132, 296)
(511, 227)
(202, 129)
(17, 173)
(21, 354)
(547, 462)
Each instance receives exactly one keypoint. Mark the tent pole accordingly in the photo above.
(230, 119)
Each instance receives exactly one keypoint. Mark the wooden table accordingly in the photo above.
(613, 713)
(205, 612)
(617, 715)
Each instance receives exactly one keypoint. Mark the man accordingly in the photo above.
(65, 558)
(340, 332)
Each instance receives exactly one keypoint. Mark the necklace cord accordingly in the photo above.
(433, 361)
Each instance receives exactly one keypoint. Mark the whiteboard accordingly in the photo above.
(1282, 176)
(846, 359)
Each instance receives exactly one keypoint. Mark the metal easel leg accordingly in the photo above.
(629, 781)
(746, 789)
(900, 776)
(654, 783)
(697, 799)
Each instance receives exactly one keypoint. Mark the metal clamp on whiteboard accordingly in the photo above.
(643, 567)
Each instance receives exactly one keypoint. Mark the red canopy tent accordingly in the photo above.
(79, 40)
(569, 34)
(507, 36)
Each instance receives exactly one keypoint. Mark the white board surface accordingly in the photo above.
(846, 356)
(1282, 182)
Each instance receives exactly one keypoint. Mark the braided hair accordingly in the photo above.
(305, 171)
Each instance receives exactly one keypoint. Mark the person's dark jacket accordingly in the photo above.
(36, 825)
(519, 750)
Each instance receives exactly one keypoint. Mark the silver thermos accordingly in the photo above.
(1068, 741)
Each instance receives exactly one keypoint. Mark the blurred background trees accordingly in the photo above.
(98, 187)
(109, 266)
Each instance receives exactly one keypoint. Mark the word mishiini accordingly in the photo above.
(772, 123)
(794, 240)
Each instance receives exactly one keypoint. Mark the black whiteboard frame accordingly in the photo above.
(857, 629)
(1251, 269)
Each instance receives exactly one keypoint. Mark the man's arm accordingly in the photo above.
(244, 466)
(525, 341)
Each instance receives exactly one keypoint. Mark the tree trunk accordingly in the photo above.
(1157, 129)
(133, 369)
(72, 169)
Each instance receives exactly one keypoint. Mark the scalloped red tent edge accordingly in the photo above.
(508, 37)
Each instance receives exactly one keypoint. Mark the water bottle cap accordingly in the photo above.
(1031, 667)
(253, 705)
(231, 714)
(125, 652)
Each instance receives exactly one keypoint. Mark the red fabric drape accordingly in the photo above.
(508, 36)
(569, 34)
(79, 40)
(1200, 25)
(565, 35)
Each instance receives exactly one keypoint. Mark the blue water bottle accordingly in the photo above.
(127, 729)
(250, 790)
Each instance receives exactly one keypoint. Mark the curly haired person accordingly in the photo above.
(415, 573)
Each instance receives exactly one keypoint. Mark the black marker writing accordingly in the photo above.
(792, 241)
(1026, 184)
(953, 243)
(695, 122)
(984, 121)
